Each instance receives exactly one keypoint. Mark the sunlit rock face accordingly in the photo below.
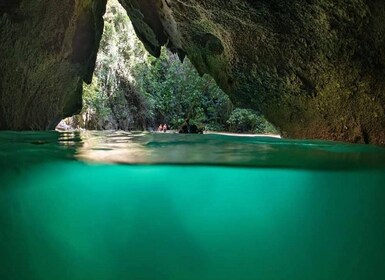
(47, 50)
(315, 68)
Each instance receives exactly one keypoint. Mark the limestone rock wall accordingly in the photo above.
(315, 68)
(47, 50)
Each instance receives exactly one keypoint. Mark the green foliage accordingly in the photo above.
(177, 91)
(246, 120)
(94, 101)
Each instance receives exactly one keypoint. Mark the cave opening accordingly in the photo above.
(132, 90)
(313, 72)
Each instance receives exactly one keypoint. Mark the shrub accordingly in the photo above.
(248, 121)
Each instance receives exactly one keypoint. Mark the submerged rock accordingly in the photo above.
(314, 68)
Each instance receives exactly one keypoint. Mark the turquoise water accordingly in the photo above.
(114, 205)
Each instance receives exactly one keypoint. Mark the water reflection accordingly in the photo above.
(29, 148)
(113, 147)
(70, 138)
(213, 149)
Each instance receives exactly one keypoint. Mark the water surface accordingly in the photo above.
(116, 205)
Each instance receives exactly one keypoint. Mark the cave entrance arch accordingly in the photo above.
(314, 70)
(133, 90)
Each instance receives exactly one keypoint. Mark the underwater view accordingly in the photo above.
(119, 205)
